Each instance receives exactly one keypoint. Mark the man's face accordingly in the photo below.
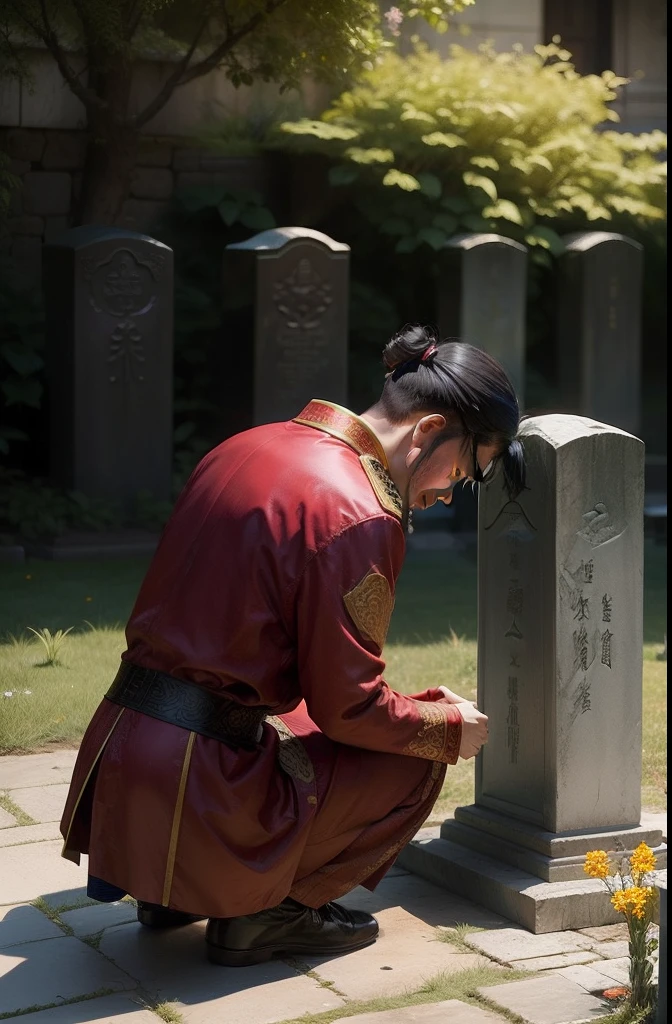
(452, 463)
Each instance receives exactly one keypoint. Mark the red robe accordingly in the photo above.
(273, 583)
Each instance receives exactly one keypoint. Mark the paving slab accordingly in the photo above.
(588, 977)
(612, 950)
(37, 870)
(606, 932)
(29, 834)
(551, 963)
(42, 803)
(59, 899)
(19, 770)
(450, 1010)
(7, 820)
(423, 900)
(105, 1010)
(172, 965)
(509, 944)
(618, 970)
(41, 973)
(24, 923)
(549, 999)
(95, 918)
(406, 954)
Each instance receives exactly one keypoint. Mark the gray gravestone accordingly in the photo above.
(109, 315)
(295, 284)
(599, 327)
(481, 298)
(560, 677)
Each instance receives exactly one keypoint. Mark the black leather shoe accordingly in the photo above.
(154, 916)
(289, 929)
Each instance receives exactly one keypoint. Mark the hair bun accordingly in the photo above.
(410, 343)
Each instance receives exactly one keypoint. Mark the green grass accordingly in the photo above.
(432, 641)
(462, 985)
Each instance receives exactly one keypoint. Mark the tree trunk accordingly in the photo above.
(113, 142)
(108, 168)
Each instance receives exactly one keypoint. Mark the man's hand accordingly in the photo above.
(474, 729)
(453, 698)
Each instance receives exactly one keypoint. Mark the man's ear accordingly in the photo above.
(426, 427)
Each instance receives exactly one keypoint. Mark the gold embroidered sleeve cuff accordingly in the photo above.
(440, 733)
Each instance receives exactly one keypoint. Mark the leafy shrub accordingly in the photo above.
(506, 142)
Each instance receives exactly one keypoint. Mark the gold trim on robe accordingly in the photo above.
(177, 819)
(74, 856)
(370, 606)
(344, 425)
(431, 740)
(383, 485)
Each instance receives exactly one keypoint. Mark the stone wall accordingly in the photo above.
(49, 165)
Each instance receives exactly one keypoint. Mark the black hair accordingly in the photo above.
(462, 383)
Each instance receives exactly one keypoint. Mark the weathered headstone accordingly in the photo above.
(599, 312)
(295, 283)
(560, 677)
(109, 316)
(481, 298)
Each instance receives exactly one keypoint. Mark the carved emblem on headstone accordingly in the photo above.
(303, 297)
(123, 284)
(126, 352)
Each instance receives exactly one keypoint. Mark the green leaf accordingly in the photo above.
(443, 139)
(504, 209)
(228, 211)
(433, 236)
(342, 174)
(21, 358)
(408, 244)
(456, 204)
(22, 391)
(319, 129)
(370, 156)
(474, 180)
(446, 222)
(430, 185)
(404, 181)
(257, 218)
(547, 238)
(474, 222)
(486, 162)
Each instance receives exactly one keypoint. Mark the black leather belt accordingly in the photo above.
(187, 705)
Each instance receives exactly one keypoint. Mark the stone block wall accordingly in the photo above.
(49, 166)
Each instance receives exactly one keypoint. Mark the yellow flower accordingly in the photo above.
(633, 901)
(643, 859)
(88, 599)
(597, 864)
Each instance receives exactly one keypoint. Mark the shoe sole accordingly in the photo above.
(249, 957)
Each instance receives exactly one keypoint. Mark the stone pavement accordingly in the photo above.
(67, 960)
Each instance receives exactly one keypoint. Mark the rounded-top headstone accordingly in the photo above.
(109, 315)
(278, 238)
(294, 284)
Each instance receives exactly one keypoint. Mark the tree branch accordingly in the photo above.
(184, 74)
(50, 39)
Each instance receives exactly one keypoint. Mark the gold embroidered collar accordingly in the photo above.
(345, 425)
(348, 427)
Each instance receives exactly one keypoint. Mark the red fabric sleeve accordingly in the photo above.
(340, 637)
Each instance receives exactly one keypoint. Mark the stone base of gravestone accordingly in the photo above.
(517, 895)
(72, 547)
(550, 856)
